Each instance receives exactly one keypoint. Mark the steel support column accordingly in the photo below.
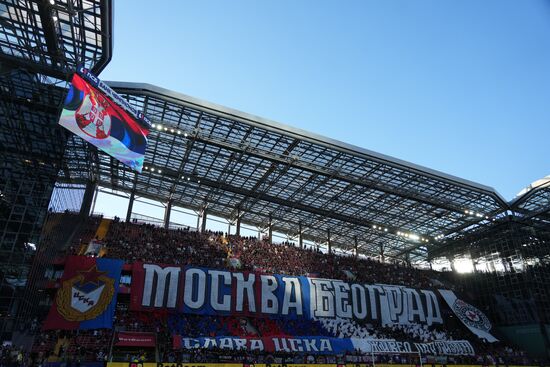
(408, 258)
(88, 198)
(451, 260)
(167, 212)
(270, 230)
(238, 224)
(300, 237)
(130, 206)
(203, 224)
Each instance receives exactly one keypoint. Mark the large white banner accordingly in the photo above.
(473, 318)
(218, 292)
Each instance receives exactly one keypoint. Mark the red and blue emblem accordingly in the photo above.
(87, 296)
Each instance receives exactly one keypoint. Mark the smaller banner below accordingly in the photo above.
(94, 248)
(131, 339)
(325, 345)
(349, 275)
(473, 318)
(234, 263)
(87, 296)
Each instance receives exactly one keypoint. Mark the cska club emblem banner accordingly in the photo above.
(87, 296)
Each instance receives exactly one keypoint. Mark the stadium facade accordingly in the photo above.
(220, 162)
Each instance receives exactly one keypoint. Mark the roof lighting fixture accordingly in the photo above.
(160, 171)
(165, 128)
(54, 18)
(374, 226)
(153, 126)
(199, 181)
(385, 229)
(159, 126)
(146, 167)
(171, 130)
(185, 135)
(179, 132)
(188, 178)
(52, 2)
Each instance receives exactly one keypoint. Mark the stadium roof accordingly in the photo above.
(41, 45)
(235, 164)
(534, 201)
(53, 37)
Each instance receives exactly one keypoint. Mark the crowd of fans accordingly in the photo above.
(154, 244)
(198, 325)
(12, 356)
(142, 242)
(287, 258)
(218, 355)
(69, 346)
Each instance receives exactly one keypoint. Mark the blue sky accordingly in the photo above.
(461, 86)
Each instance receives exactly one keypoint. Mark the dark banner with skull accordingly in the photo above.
(471, 317)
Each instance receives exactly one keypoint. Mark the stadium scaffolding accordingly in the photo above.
(41, 44)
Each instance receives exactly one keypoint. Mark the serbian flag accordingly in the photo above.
(86, 298)
(90, 111)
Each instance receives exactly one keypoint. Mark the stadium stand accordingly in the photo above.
(147, 243)
(390, 221)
